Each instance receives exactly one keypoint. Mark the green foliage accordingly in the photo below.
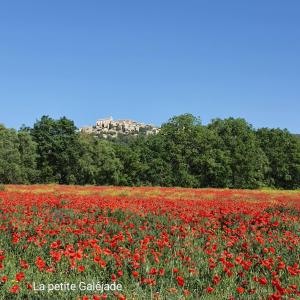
(57, 149)
(132, 168)
(225, 153)
(28, 156)
(10, 159)
(247, 163)
(178, 136)
(98, 163)
(283, 152)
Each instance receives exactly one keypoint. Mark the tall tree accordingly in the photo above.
(247, 162)
(10, 159)
(28, 156)
(178, 136)
(57, 148)
(194, 152)
(283, 152)
(132, 169)
(98, 162)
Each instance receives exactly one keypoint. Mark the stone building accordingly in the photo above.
(109, 127)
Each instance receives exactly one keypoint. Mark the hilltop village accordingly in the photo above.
(113, 128)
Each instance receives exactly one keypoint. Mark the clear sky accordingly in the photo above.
(150, 60)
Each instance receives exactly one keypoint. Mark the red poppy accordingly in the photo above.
(40, 263)
(135, 274)
(81, 268)
(15, 289)
(20, 276)
(263, 281)
(180, 281)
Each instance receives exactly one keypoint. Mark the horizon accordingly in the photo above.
(150, 61)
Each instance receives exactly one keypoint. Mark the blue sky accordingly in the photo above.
(150, 60)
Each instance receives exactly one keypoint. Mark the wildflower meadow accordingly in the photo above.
(67, 242)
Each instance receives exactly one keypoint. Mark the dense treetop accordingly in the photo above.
(225, 153)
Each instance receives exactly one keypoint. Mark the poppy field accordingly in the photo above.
(67, 242)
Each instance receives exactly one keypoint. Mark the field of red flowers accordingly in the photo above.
(64, 242)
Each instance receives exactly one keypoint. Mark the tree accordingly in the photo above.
(283, 152)
(207, 159)
(155, 167)
(98, 162)
(132, 169)
(57, 149)
(10, 160)
(184, 153)
(177, 138)
(28, 156)
(247, 162)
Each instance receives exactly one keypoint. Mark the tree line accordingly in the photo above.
(226, 153)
